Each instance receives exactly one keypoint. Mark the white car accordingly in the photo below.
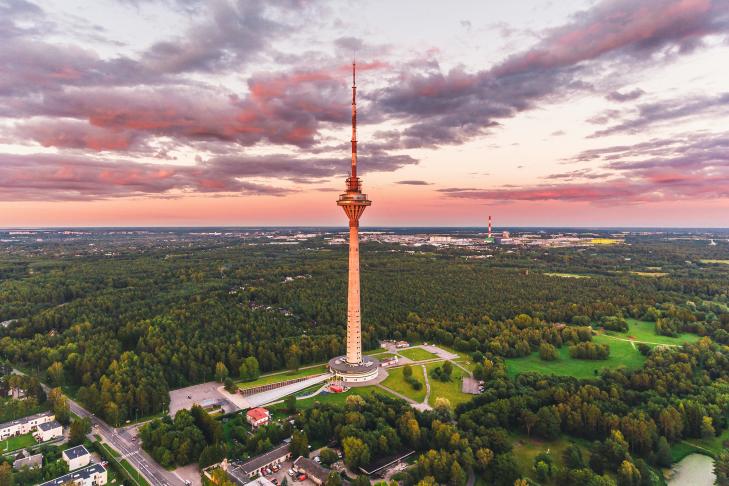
(317, 460)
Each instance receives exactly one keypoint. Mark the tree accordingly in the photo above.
(78, 430)
(299, 444)
(707, 428)
(663, 453)
(457, 475)
(334, 479)
(529, 419)
(407, 371)
(6, 475)
(328, 456)
(59, 405)
(356, 452)
(290, 403)
(249, 369)
(628, 474)
(221, 371)
(547, 352)
(572, 457)
(220, 478)
(721, 469)
(55, 373)
(230, 385)
(211, 454)
(548, 423)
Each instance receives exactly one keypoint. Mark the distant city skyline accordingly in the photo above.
(236, 113)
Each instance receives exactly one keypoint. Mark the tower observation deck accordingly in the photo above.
(354, 367)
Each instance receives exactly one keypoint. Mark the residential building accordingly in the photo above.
(76, 457)
(93, 475)
(258, 416)
(24, 425)
(25, 459)
(47, 431)
(254, 467)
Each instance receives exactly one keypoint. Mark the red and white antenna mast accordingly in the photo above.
(489, 226)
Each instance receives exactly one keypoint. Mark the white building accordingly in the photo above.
(93, 475)
(25, 425)
(76, 457)
(47, 431)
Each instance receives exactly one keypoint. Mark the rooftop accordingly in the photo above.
(49, 425)
(263, 460)
(258, 413)
(75, 452)
(25, 420)
(312, 468)
(84, 473)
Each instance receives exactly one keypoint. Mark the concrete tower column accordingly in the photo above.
(354, 321)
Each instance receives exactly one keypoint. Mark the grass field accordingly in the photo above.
(646, 331)
(721, 262)
(396, 381)
(417, 354)
(450, 390)
(622, 353)
(650, 274)
(284, 376)
(15, 443)
(335, 398)
(526, 449)
(566, 275)
(715, 446)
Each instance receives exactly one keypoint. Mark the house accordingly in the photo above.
(258, 416)
(260, 482)
(93, 475)
(402, 344)
(25, 425)
(392, 361)
(48, 431)
(25, 459)
(241, 474)
(76, 457)
(316, 472)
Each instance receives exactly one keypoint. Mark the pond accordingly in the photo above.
(694, 470)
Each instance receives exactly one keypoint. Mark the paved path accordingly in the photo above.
(427, 386)
(269, 396)
(640, 342)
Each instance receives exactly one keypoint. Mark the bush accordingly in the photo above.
(547, 352)
(589, 350)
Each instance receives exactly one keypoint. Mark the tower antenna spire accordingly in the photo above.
(354, 118)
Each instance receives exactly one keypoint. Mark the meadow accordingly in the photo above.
(450, 390)
(396, 381)
(417, 354)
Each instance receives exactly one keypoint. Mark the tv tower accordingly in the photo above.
(489, 238)
(352, 367)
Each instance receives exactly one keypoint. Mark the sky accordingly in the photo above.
(237, 112)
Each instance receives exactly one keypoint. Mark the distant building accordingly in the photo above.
(243, 473)
(47, 431)
(25, 459)
(258, 416)
(76, 457)
(25, 425)
(392, 361)
(378, 467)
(94, 475)
(260, 482)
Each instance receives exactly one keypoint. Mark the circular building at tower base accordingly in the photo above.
(367, 370)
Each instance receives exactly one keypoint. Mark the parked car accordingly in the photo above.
(317, 459)
(291, 473)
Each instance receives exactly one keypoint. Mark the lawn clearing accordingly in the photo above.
(527, 448)
(15, 443)
(650, 274)
(566, 275)
(719, 262)
(417, 354)
(282, 376)
(622, 353)
(644, 331)
(334, 398)
(396, 381)
(450, 390)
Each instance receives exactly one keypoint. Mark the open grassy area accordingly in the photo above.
(417, 354)
(713, 446)
(566, 275)
(720, 262)
(15, 443)
(334, 398)
(396, 381)
(527, 448)
(622, 353)
(283, 376)
(450, 390)
(646, 331)
(650, 274)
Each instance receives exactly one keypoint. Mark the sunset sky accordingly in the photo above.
(194, 112)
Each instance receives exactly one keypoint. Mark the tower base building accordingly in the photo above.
(367, 370)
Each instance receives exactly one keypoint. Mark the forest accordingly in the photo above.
(118, 329)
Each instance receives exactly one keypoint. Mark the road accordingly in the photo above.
(122, 441)
(129, 449)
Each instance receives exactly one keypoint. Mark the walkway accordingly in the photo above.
(260, 399)
(426, 400)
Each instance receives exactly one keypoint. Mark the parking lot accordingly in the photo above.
(284, 473)
(471, 385)
(185, 398)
